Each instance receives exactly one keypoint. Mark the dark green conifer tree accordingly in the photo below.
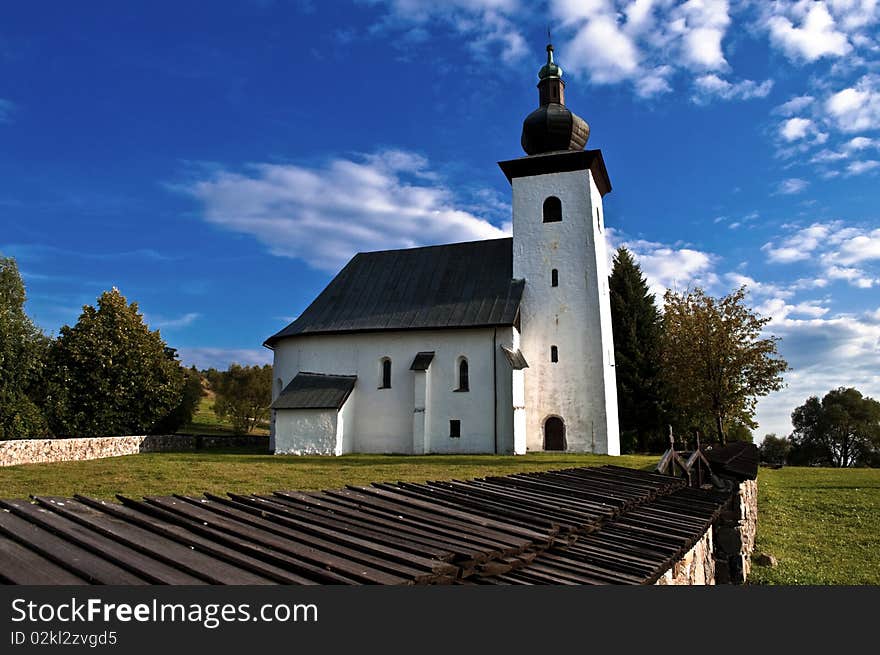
(636, 325)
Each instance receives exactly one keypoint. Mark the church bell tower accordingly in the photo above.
(559, 250)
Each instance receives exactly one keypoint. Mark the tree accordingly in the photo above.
(244, 394)
(190, 396)
(110, 374)
(738, 431)
(636, 325)
(775, 450)
(841, 430)
(22, 353)
(715, 365)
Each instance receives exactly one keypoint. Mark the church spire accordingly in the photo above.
(551, 88)
(552, 126)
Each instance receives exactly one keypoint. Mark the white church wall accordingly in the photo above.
(612, 443)
(381, 420)
(306, 432)
(344, 431)
(570, 316)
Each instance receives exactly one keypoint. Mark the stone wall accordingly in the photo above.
(697, 567)
(35, 451)
(724, 554)
(735, 535)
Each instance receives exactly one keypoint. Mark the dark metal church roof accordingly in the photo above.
(315, 391)
(422, 361)
(450, 286)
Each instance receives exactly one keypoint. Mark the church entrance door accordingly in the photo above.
(554, 434)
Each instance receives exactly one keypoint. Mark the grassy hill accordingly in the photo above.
(205, 421)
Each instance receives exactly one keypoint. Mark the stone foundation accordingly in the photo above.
(735, 535)
(42, 451)
(697, 567)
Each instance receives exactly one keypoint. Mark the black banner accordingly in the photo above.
(328, 619)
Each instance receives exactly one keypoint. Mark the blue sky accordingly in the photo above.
(218, 163)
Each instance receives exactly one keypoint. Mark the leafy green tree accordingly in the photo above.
(22, 354)
(775, 450)
(738, 431)
(244, 394)
(636, 325)
(189, 402)
(843, 429)
(110, 374)
(715, 365)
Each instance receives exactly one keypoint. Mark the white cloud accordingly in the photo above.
(756, 288)
(711, 86)
(827, 156)
(825, 349)
(859, 248)
(488, 24)
(824, 353)
(654, 82)
(859, 167)
(221, 358)
(703, 24)
(791, 186)
(799, 245)
(794, 106)
(795, 128)
(645, 43)
(856, 108)
(860, 143)
(605, 50)
(163, 323)
(855, 276)
(835, 248)
(855, 14)
(668, 267)
(324, 215)
(814, 36)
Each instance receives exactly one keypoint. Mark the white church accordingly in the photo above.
(499, 346)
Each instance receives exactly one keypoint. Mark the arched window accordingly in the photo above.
(552, 210)
(463, 381)
(385, 380)
(554, 354)
(554, 278)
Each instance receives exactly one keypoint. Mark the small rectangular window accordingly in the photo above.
(455, 429)
(554, 278)
(554, 354)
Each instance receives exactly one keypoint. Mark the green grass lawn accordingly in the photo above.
(205, 421)
(194, 473)
(822, 524)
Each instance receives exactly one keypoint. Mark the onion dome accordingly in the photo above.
(552, 126)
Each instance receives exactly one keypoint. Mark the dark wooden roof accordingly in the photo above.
(315, 391)
(516, 358)
(451, 286)
(422, 361)
(563, 161)
(738, 459)
(604, 525)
